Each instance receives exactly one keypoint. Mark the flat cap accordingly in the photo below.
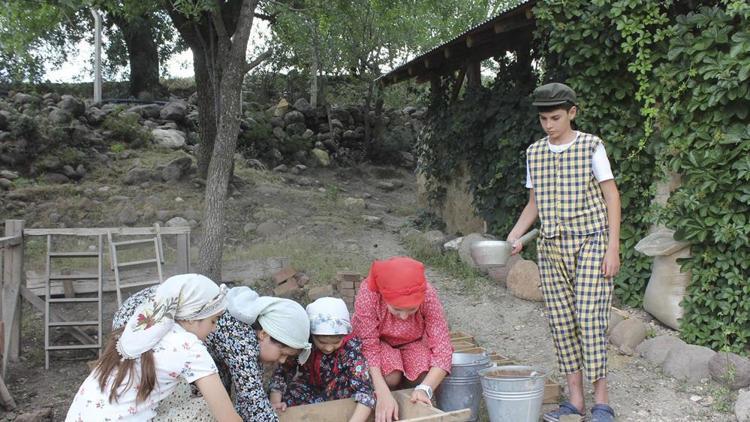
(553, 94)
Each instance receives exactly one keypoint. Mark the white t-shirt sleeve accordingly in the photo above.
(599, 164)
(198, 362)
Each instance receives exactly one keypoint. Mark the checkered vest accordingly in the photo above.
(566, 192)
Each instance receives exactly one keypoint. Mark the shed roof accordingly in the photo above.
(490, 38)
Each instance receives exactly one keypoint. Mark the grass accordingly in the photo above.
(724, 398)
(319, 262)
(447, 262)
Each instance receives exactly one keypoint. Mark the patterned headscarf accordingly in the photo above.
(283, 319)
(329, 317)
(187, 297)
(399, 280)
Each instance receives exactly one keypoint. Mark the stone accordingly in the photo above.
(255, 164)
(308, 134)
(372, 220)
(407, 159)
(316, 292)
(336, 123)
(174, 110)
(8, 174)
(464, 248)
(72, 105)
(302, 279)
(349, 135)
(500, 273)
(616, 316)
(435, 238)
(176, 169)
(95, 116)
(268, 228)
(4, 118)
(295, 129)
(303, 106)
(281, 168)
(147, 111)
(281, 108)
(21, 98)
(655, 349)
(249, 228)
(283, 274)
(5, 183)
(127, 215)
(409, 110)
(56, 178)
(524, 281)
(277, 121)
(688, 362)
(177, 222)
(730, 369)
(355, 203)
(321, 157)
(60, 117)
(168, 138)
(136, 176)
(40, 415)
(279, 133)
(741, 406)
(629, 333)
(70, 172)
(385, 186)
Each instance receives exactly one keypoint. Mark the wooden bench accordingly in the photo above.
(341, 410)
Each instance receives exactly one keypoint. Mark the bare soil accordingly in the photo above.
(320, 235)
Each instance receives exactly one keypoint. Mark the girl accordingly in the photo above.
(336, 370)
(161, 343)
(400, 320)
(254, 330)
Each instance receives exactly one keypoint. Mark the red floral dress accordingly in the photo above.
(411, 346)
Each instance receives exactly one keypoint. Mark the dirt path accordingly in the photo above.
(320, 232)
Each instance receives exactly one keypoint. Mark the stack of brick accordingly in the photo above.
(289, 282)
(347, 284)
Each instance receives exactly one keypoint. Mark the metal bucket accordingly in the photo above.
(513, 392)
(462, 389)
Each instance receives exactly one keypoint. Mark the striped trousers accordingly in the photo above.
(578, 299)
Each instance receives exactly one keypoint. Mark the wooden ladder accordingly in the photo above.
(68, 281)
(118, 265)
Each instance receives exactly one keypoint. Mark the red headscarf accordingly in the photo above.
(400, 280)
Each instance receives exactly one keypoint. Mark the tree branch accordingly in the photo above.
(258, 60)
(266, 17)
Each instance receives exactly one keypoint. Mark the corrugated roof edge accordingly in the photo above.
(507, 10)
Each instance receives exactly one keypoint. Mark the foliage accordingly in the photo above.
(125, 128)
(704, 84)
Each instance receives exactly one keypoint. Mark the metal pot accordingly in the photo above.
(495, 253)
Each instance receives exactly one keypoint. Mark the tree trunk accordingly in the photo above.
(314, 70)
(143, 55)
(368, 129)
(206, 111)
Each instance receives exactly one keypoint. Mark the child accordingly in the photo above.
(336, 370)
(572, 191)
(160, 344)
(255, 330)
(404, 333)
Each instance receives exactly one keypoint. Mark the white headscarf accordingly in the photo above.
(283, 319)
(329, 316)
(182, 297)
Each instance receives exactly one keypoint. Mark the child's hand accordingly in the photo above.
(386, 408)
(276, 402)
(611, 263)
(420, 396)
(517, 246)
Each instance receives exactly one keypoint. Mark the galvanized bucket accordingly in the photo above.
(513, 393)
(462, 389)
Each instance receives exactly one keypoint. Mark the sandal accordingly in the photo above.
(602, 413)
(566, 408)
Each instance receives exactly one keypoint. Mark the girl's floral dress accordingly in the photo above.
(341, 375)
(235, 349)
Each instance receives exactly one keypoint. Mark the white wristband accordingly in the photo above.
(426, 388)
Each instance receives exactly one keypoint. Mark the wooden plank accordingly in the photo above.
(35, 280)
(11, 309)
(552, 392)
(10, 241)
(96, 231)
(38, 303)
(183, 253)
(341, 410)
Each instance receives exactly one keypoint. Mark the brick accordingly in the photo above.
(286, 289)
(284, 274)
(346, 285)
(348, 276)
(316, 292)
(349, 294)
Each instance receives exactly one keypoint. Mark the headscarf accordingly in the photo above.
(329, 317)
(186, 297)
(399, 280)
(283, 319)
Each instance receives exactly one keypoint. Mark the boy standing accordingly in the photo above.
(572, 191)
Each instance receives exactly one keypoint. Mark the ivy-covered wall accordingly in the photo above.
(666, 85)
